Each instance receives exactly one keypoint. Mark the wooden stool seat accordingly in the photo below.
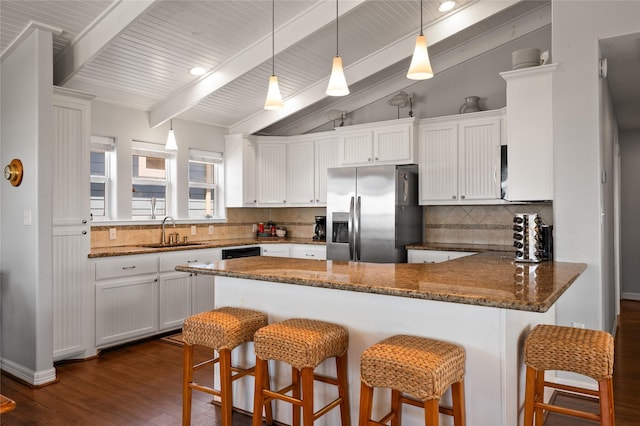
(222, 330)
(418, 370)
(303, 344)
(577, 350)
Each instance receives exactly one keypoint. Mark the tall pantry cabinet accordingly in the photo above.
(73, 302)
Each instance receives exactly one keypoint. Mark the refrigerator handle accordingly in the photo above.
(357, 236)
(351, 228)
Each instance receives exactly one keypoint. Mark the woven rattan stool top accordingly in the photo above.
(578, 350)
(223, 328)
(421, 367)
(301, 343)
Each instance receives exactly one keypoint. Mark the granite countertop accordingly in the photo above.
(459, 247)
(486, 279)
(139, 249)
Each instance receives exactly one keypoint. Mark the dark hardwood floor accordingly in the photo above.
(140, 384)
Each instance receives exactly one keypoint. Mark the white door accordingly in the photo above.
(438, 152)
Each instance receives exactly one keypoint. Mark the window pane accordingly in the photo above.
(141, 200)
(201, 202)
(201, 172)
(149, 167)
(98, 205)
(97, 165)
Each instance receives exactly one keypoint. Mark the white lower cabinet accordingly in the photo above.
(142, 295)
(308, 251)
(276, 250)
(126, 309)
(434, 256)
(175, 299)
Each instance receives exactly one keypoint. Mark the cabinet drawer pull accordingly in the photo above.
(129, 267)
(192, 261)
(310, 255)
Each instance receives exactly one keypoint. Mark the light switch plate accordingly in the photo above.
(193, 230)
(210, 229)
(112, 233)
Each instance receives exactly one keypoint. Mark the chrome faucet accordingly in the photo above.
(163, 239)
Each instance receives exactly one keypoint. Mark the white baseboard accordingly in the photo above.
(631, 296)
(35, 378)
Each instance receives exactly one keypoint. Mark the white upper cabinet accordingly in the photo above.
(272, 174)
(240, 171)
(300, 176)
(459, 158)
(385, 142)
(326, 156)
(530, 133)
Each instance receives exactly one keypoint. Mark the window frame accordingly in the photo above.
(148, 149)
(216, 160)
(107, 146)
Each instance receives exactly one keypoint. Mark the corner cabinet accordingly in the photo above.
(459, 159)
(530, 133)
(385, 142)
(72, 293)
(240, 162)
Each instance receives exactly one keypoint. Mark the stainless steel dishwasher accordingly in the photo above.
(240, 252)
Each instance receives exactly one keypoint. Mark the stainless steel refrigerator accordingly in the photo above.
(372, 213)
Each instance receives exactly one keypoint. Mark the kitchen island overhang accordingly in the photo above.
(486, 303)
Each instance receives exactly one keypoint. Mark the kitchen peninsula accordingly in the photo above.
(485, 302)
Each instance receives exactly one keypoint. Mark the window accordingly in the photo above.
(150, 182)
(102, 149)
(204, 170)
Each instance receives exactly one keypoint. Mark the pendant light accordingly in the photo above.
(420, 68)
(171, 144)
(274, 98)
(337, 83)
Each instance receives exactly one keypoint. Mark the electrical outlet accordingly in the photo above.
(112, 233)
(254, 228)
(577, 325)
(27, 217)
(193, 230)
(210, 229)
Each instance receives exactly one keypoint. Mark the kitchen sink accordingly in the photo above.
(160, 245)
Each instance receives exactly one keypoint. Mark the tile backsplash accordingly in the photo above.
(299, 223)
(482, 224)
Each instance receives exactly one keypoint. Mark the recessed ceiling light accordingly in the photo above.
(447, 5)
(197, 71)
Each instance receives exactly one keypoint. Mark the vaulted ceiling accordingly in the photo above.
(138, 53)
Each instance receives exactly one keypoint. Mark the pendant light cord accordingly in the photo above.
(421, 18)
(337, 27)
(273, 37)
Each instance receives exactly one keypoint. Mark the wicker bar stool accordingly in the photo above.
(418, 371)
(586, 352)
(223, 330)
(303, 344)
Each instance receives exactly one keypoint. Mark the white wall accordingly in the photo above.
(630, 206)
(26, 258)
(579, 124)
(127, 124)
(444, 94)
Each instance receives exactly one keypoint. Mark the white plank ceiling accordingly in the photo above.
(137, 53)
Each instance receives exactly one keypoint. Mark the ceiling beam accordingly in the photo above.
(383, 58)
(97, 37)
(509, 31)
(301, 26)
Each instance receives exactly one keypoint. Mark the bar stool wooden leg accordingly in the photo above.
(457, 396)
(396, 408)
(343, 389)
(366, 404)
(258, 396)
(432, 412)
(605, 388)
(295, 392)
(226, 398)
(539, 397)
(530, 395)
(187, 377)
(307, 396)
